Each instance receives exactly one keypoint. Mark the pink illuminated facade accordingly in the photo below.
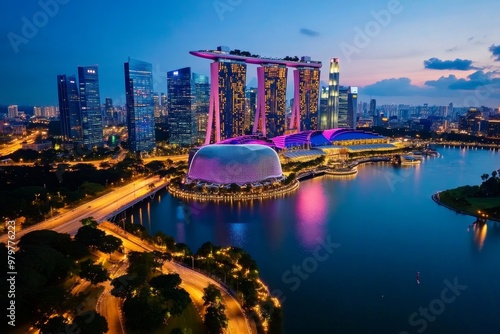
(227, 89)
(225, 164)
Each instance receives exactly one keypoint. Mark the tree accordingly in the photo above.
(89, 236)
(90, 322)
(155, 166)
(123, 285)
(276, 321)
(160, 258)
(211, 295)
(108, 244)
(55, 324)
(215, 319)
(94, 273)
(141, 265)
(89, 221)
(205, 250)
(176, 298)
(144, 312)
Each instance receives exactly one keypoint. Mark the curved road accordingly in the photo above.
(192, 281)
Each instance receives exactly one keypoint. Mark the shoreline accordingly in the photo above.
(435, 198)
(351, 170)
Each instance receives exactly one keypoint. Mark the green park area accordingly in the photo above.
(481, 201)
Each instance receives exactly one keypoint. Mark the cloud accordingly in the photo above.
(457, 64)
(472, 82)
(495, 51)
(455, 48)
(393, 87)
(309, 32)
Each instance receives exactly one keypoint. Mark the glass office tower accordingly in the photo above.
(140, 105)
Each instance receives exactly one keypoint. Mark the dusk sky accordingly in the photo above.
(424, 51)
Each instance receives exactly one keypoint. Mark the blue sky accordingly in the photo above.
(406, 51)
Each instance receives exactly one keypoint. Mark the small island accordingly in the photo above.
(481, 201)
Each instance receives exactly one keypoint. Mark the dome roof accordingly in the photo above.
(225, 164)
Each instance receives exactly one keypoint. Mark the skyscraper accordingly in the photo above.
(306, 98)
(69, 107)
(343, 107)
(323, 108)
(373, 112)
(201, 103)
(90, 102)
(232, 81)
(250, 108)
(332, 115)
(109, 110)
(140, 105)
(181, 117)
(352, 107)
(13, 111)
(271, 100)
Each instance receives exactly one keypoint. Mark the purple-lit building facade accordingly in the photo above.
(228, 84)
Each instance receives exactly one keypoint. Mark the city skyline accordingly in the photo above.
(383, 47)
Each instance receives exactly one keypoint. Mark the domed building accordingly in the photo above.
(223, 164)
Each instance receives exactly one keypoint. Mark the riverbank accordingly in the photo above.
(242, 196)
(472, 211)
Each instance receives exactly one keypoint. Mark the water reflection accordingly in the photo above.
(311, 212)
(238, 233)
(480, 231)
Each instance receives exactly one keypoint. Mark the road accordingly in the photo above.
(16, 145)
(97, 163)
(192, 281)
(108, 305)
(100, 208)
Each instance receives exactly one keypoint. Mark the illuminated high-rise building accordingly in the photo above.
(271, 101)
(201, 103)
(323, 107)
(343, 107)
(330, 120)
(109, 112)
(227, 100)
(90, 102)
(37, 111)
(69, 108)
(181, 117)
(306, 98)
(250, 108)
(230, 108)
(13, 111)
(140, 105)
(352, 107)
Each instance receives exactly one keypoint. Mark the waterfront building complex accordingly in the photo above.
(227, 95)
(225, 164)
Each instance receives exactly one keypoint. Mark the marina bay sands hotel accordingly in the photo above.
(227, 94)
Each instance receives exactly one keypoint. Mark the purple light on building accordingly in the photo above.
(260, 116)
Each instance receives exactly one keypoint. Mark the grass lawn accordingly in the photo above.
(460, 199)
(189, 321)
